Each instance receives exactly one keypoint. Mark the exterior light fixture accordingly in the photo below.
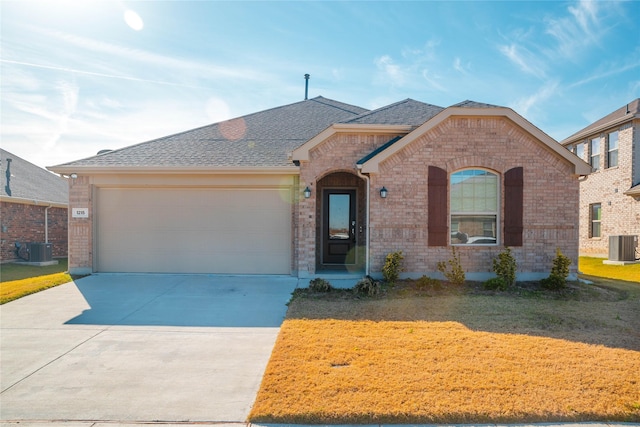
(73, 176)
(307, 193)
(383, 192)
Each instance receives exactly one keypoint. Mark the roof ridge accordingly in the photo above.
(319, 98)
(386, 107)
(475, 104)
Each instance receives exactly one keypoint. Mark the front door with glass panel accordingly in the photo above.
(339, 227)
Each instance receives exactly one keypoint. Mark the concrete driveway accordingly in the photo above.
(140, 348)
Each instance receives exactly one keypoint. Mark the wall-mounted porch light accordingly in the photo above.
(73, 176)
(383, 192)
(307, 193)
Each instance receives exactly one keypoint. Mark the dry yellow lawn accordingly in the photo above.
(420, 357)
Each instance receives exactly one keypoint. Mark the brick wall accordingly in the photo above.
(399, 222)
(338, 154)
(80, 229)
(25, 223)
(620, 213)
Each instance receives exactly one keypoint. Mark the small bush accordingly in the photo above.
(392, 267)
(367, 286)
(453, 272)
(505, 268)
(320, 285)
(559, 272)
(427, 282)
(496, 284)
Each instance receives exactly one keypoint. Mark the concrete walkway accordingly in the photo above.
(139, 348)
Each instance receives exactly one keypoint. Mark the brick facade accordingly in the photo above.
(25, 223)
(80, 229)
(606, 186)
(399, 222)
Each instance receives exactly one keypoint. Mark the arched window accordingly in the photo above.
(475, 202)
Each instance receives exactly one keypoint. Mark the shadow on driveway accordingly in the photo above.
(184, 300)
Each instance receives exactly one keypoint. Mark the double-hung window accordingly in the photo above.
(595, 153)
(595, 219)
(474, 207)
(612, 149)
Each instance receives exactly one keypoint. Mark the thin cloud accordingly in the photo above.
(528, 105)
(612, 71)
(582, 28)
(523, 59)
(91, 73)
(389, 71)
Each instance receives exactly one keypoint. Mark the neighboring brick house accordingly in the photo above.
(33, 207)
(319, 187)
(610, 196)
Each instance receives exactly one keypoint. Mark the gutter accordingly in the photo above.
(366, 247)
(196, 170)
(46, 223)
(24, 201)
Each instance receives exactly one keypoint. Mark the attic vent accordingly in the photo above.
(104, 151)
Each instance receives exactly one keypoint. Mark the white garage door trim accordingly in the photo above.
(194, 230)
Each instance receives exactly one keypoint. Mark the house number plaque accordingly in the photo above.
(80, 212)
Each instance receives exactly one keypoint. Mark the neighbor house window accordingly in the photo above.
(595, 153)
(612, 149)
(595, 216)
(474, 207)
(579, 150)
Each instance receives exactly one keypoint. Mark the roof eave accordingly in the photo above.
(195, 170)
(583, 134)
(580, 167)
(302, 153)
(35, 202)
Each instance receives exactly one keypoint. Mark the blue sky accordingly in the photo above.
(79, 76)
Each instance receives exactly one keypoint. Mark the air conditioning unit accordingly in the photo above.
(622, 248)
(40, 252)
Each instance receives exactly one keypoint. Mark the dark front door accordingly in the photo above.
(339, 227)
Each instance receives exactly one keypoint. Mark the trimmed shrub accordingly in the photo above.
(367, 286)
(453, 271)
(426, 282)
(504, 265)
(392, 267)
(320, 285)
(559, 272)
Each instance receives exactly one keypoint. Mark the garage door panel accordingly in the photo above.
(211, 230)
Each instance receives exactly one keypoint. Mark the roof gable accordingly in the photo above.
(472, 109)
(258, 140)
(30, 183)
(400, 117)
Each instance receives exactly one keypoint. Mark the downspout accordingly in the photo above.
(366, 247)
(46, 223)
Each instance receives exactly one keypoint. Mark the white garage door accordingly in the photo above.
(193, 230)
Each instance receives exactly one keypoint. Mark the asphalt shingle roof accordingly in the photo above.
(28, 181)
(261, 139)
(631, 110)
(407, 112)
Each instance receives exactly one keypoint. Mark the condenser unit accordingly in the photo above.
(40, 252)
(622, 248)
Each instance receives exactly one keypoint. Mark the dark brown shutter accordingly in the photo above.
(437, 213)
(513, 206)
